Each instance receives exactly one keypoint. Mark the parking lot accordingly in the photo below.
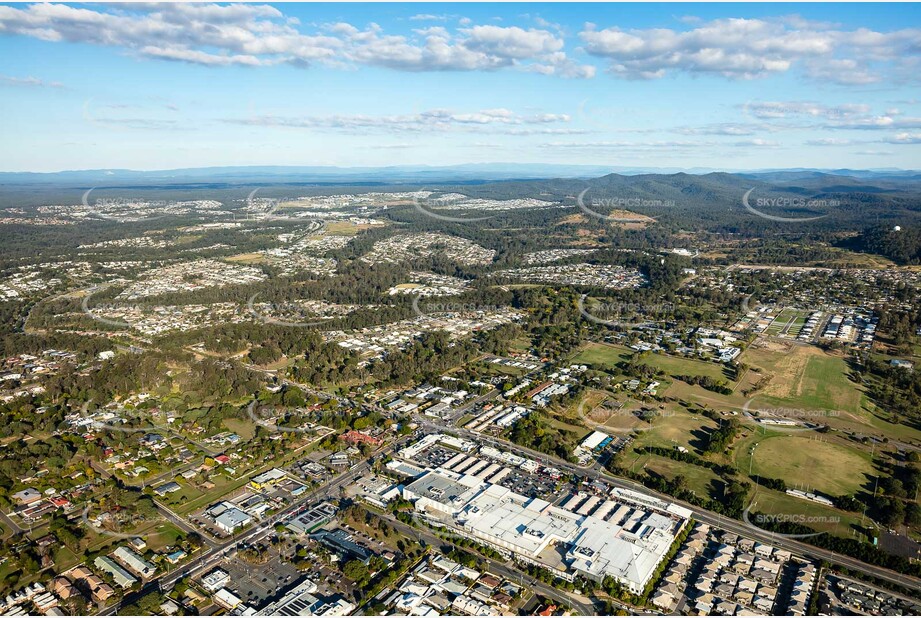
(329, 581)
(310, 469)
(525, 483)
(533, 485)
(258, 584)
(435, 456)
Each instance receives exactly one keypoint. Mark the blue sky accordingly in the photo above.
(730, 86)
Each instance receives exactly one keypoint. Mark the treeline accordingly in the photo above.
(775, 484)
(895, 389)
(70, 390)
(20, 456)
(535, 432)
(729, 499)
(86, 347)
(720, 438)
(708, 382)
(902, 246)
(865, 552)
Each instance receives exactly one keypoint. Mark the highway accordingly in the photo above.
(702, 515)
(217, 551)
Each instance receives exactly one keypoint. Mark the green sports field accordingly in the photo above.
(602, 354)
(809, 462)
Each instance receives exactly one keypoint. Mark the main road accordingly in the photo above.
(217, 552)
(499, 568)
(702, 515)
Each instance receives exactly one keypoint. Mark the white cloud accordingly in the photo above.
(257, 35)
(511, 42)
(727, 128)
(752, 48)
(809, 115)
(28, 81)
(830, 141)
(879, 122)
(429, 17)
(199, 57)
(770, 110)
(122, 116)
(763, 143)
(622, 145)
(905, 138)
(492, 121)
(847, 72)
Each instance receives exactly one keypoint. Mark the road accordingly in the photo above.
(702, 515)
(217, 551)
(459, 412)
(11, 525)
(506, 570)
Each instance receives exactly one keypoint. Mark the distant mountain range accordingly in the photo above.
(857, 198)
(473, 172)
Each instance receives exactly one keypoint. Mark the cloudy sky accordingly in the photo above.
(730, 86)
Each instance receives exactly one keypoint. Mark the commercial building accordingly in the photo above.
(300, 601)
(595, 441)
(313, 518)
(297, 602)
(443, 492)
(357, 437)
(267, 479)
(336, 607)
(225, 598)
(629, 554)
(232, 519)
(343, 544)
(524, 526)
(215, 580)
(627, 540)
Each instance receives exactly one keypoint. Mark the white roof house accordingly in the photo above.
(134, 562)
(231, 519)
